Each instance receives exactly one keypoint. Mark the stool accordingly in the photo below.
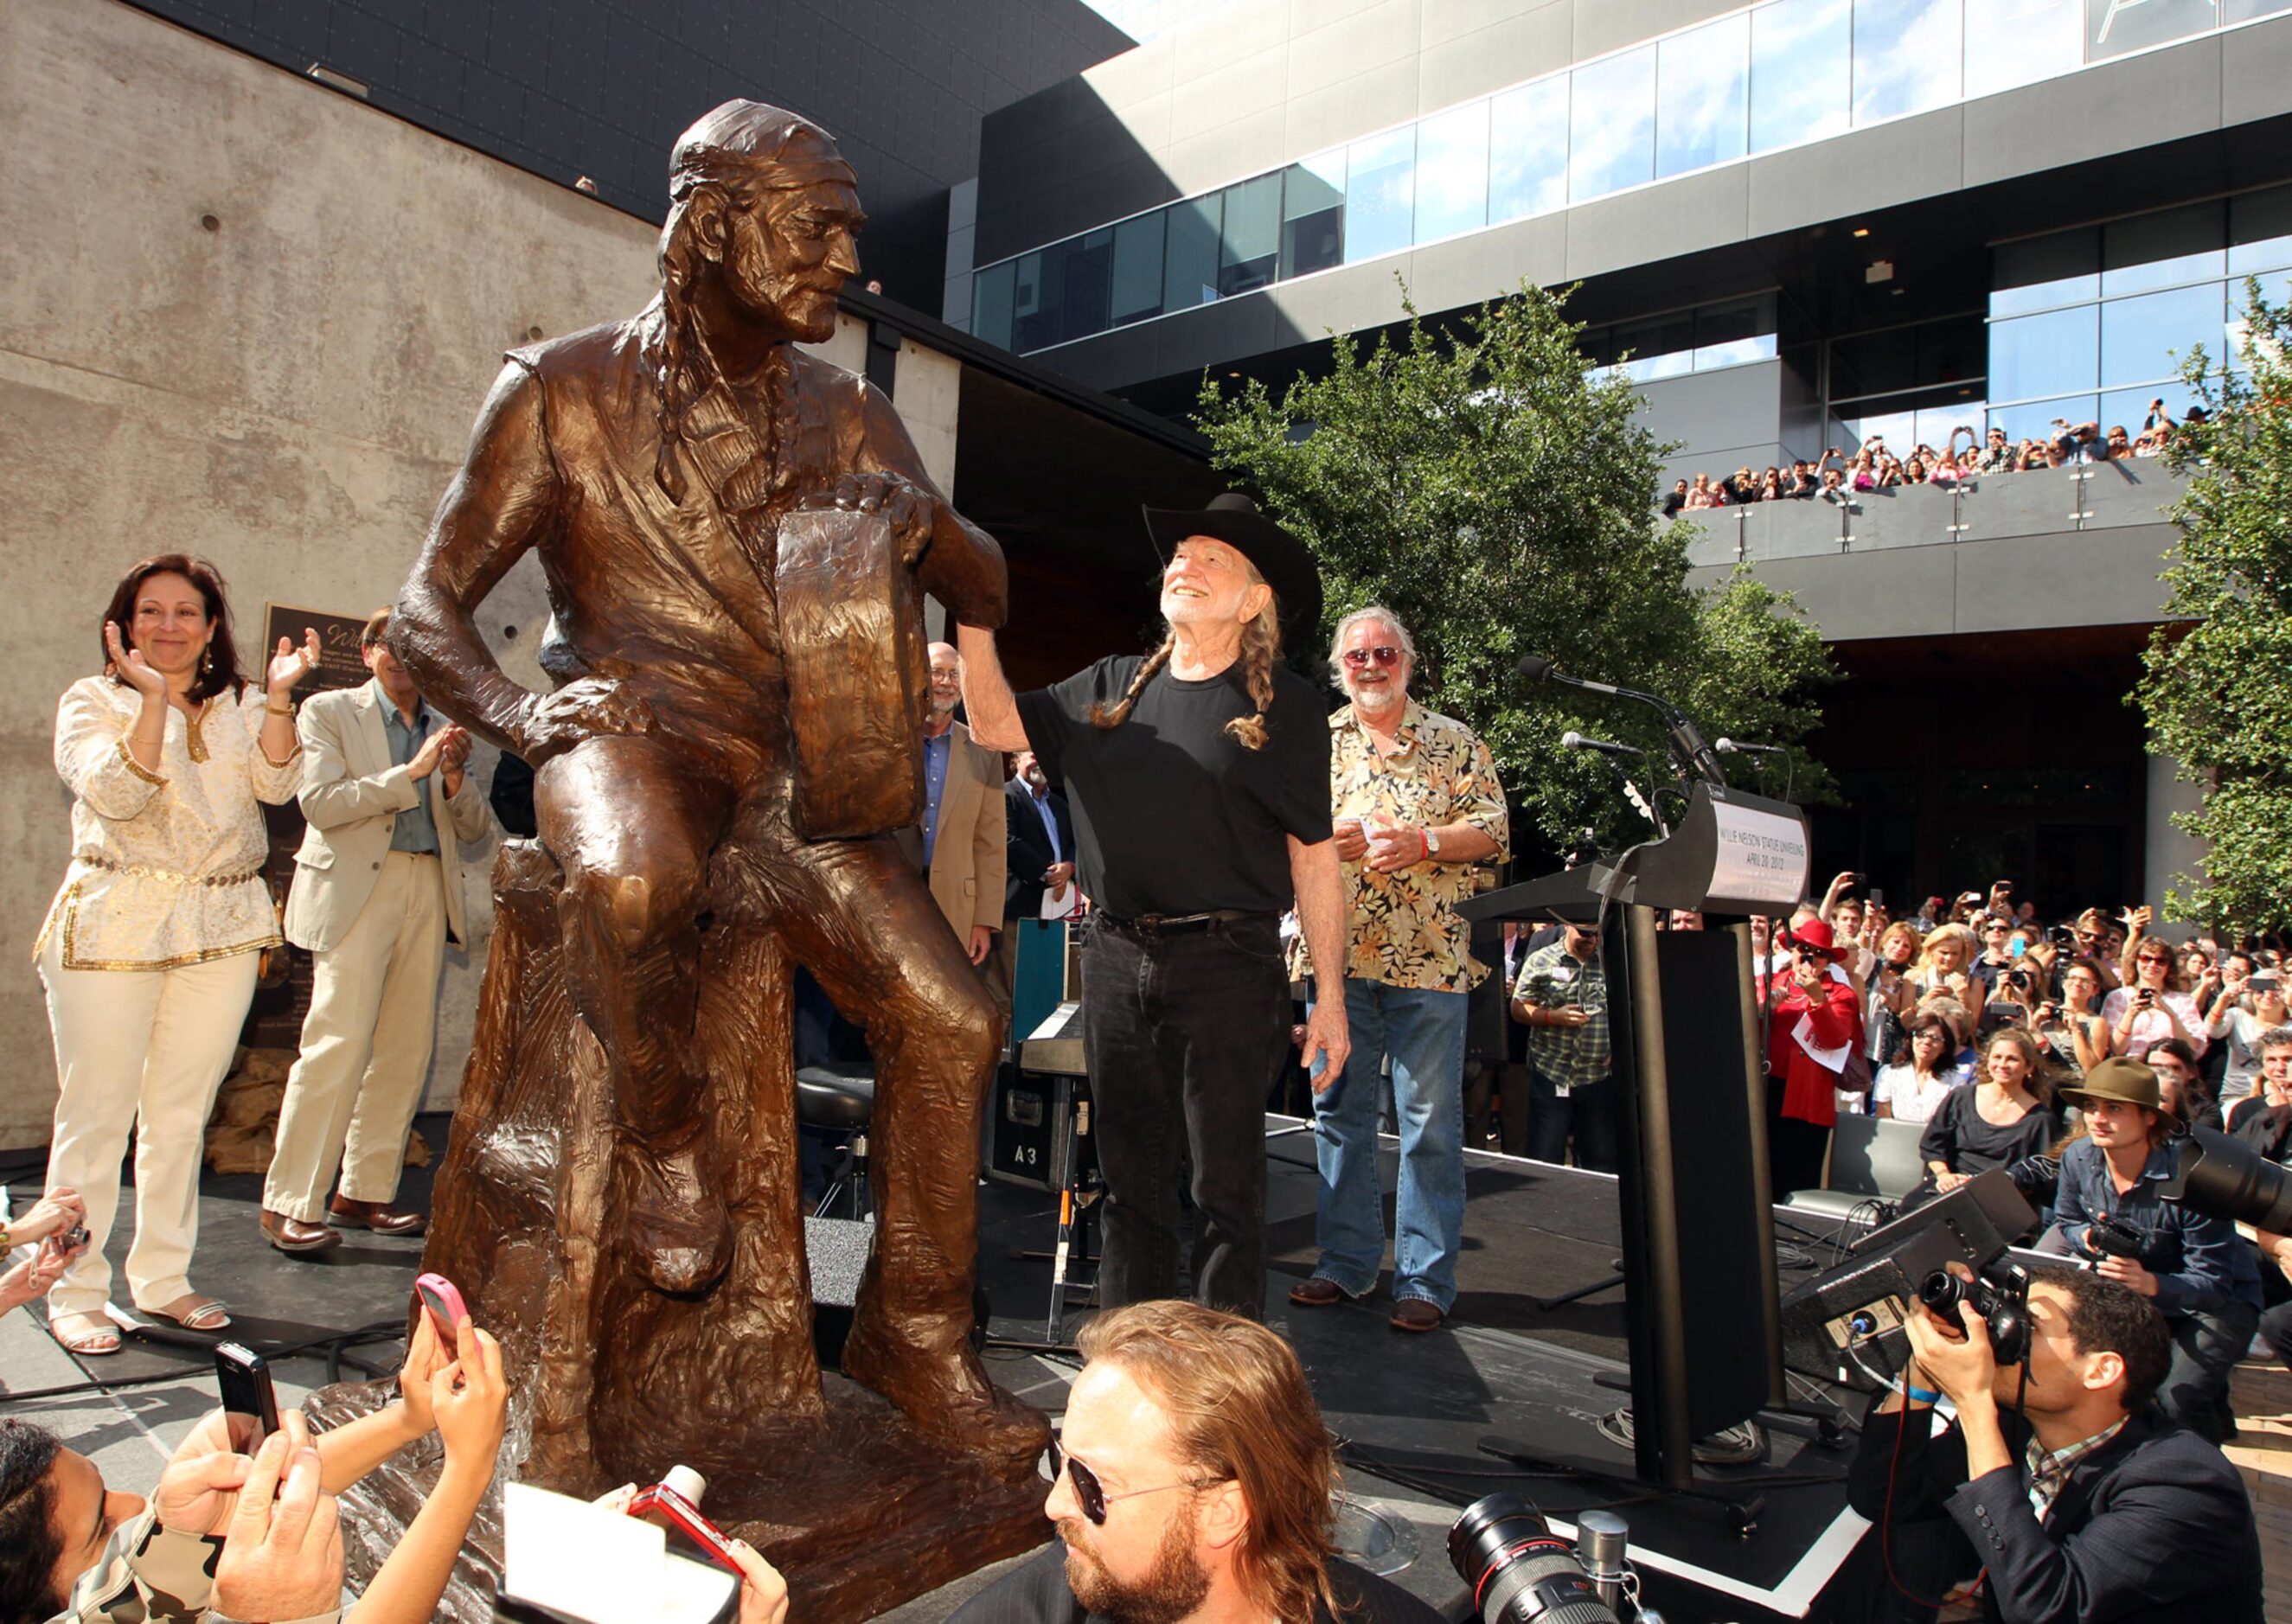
(838, 1097)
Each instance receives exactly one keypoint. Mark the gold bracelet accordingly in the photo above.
(285, 709)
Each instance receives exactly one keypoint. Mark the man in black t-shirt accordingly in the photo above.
(1199, 780)
(1194, 1482)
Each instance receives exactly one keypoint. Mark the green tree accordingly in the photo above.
(1494, 492)
(2216, 683)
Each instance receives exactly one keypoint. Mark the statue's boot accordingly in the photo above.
(679, 1229)
(926, 1368)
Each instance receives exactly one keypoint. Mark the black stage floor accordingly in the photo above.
(1413, 1411)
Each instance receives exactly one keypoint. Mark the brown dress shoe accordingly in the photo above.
(1414, 1314)
(293, 1235)
(1319, 1291)
(380, 1216)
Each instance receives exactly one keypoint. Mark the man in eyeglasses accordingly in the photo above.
(1194, 1483)
(1415, 801)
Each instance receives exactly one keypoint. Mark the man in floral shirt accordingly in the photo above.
(1417, 804)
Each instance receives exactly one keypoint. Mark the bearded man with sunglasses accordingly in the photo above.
(1415, 804)
(1194, 1482)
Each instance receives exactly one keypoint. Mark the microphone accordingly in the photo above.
(1732, 747)
(1573, 740)
(1691, 758)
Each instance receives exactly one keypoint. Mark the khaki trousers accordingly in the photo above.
(366, 1046)
(150, 1049)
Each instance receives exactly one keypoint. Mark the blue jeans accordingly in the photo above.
(1423, 1032)
(1587, 1112)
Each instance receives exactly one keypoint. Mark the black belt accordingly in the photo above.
(1176, 924)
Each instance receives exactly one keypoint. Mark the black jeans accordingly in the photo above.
(1182, 1032)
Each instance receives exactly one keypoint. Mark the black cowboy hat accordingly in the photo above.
(1279, 557)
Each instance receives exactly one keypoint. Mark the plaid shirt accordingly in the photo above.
(2050, 1471)
(1403, 929)
(148, 1575)
(1566, 1057)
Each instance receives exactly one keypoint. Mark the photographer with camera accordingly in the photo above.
(2074, 1498)
(2068, 1025)
(2198, 1272)
(2154, 1003)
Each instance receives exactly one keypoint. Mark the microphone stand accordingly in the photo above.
(1690, 755)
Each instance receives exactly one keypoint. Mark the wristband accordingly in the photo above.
(285, 709)
(1918, 1395)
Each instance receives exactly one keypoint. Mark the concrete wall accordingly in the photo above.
(286, 392)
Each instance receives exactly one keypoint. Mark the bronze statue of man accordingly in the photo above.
(652, 464)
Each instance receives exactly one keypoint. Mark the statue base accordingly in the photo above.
(855, 1508)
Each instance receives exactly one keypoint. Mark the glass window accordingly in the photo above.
(2162, 250)
(2129, 408)
(2259, 232)
(1380, 194)
(2139, 337)
(2050, 354)
(1189, 262)
(1068, 287)
(1314, 214)
(1528, 150)
(1700, 83)
(990, 304)
(1452, 171)
(1940, 426)
(1660, 347)
(1252, 234)
(2115, 26)
(1731, 335)
(2012, 43)
(1798, 91)
(1899, 429)
(1874, 363)
(2041, 273)
(2039, 420)
(1906, 57)
(1138, 268)
(1027, 302)
(1612, 124)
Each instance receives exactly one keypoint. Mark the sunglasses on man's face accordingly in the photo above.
(1091, 1493)
(1383, 653)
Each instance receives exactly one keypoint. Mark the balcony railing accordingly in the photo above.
(2097, 496)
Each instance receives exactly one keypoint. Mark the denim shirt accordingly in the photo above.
(2195, 1258)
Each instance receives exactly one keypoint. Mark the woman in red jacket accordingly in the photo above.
(1813, 1018)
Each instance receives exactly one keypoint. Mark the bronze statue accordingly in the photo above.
(733, 533)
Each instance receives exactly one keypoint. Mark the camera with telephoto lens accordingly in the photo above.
(2001, 1298)
(1520, 1571)
(2114, 1238)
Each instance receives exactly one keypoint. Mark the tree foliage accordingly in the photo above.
(1494, 491)
(2216, 683)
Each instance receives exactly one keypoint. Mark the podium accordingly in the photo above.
(1697, 1218)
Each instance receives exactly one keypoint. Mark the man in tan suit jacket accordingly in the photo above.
(377, 886)
(959, 845)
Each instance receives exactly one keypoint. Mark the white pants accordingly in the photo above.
(366, 1046)
(150, 1048)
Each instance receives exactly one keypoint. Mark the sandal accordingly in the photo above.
(193, 1312)
(88, 1334)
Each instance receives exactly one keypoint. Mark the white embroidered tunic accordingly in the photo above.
(166, 867)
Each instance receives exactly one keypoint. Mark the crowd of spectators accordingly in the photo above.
(2013, 1042)
(1838, 477)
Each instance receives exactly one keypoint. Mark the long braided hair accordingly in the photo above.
(671, 344)
(1261, 651)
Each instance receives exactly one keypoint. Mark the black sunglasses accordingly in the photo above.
(1092, 1494)
(1383, 653)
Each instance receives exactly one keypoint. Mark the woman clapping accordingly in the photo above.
(150, 948)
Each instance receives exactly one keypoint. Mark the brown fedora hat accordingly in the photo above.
(1278, 557)
(2128, 1081)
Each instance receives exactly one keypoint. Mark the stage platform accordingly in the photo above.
(1413, 1411)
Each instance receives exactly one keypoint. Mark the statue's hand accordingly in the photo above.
(553, 723)
(909, 508)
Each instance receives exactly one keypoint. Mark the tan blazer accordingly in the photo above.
(352, 796)
(968, 859)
